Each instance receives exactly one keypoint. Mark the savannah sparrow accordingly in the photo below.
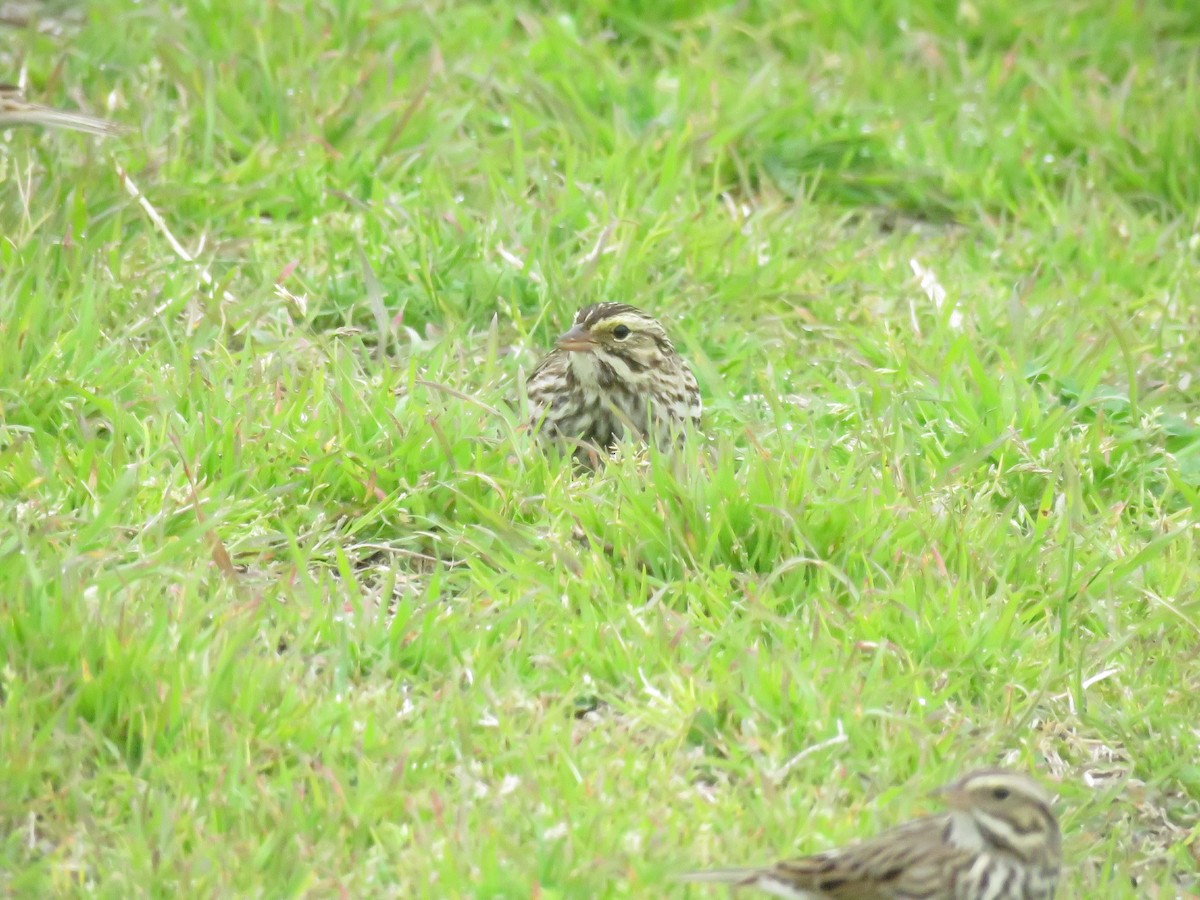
(16, 110)
(1000, 841)
(614, 371)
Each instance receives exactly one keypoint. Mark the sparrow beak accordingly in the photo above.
(578, 339)
(952, 795)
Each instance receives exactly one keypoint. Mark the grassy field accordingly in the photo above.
(289, 605)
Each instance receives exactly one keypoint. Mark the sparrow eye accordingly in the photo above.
(620, 332)
(1000, 793)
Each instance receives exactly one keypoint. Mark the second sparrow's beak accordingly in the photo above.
(577, 339)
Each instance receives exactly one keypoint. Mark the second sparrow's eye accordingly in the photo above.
(620, 332)
(1000, 793)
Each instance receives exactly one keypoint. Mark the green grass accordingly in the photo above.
(292, 608)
